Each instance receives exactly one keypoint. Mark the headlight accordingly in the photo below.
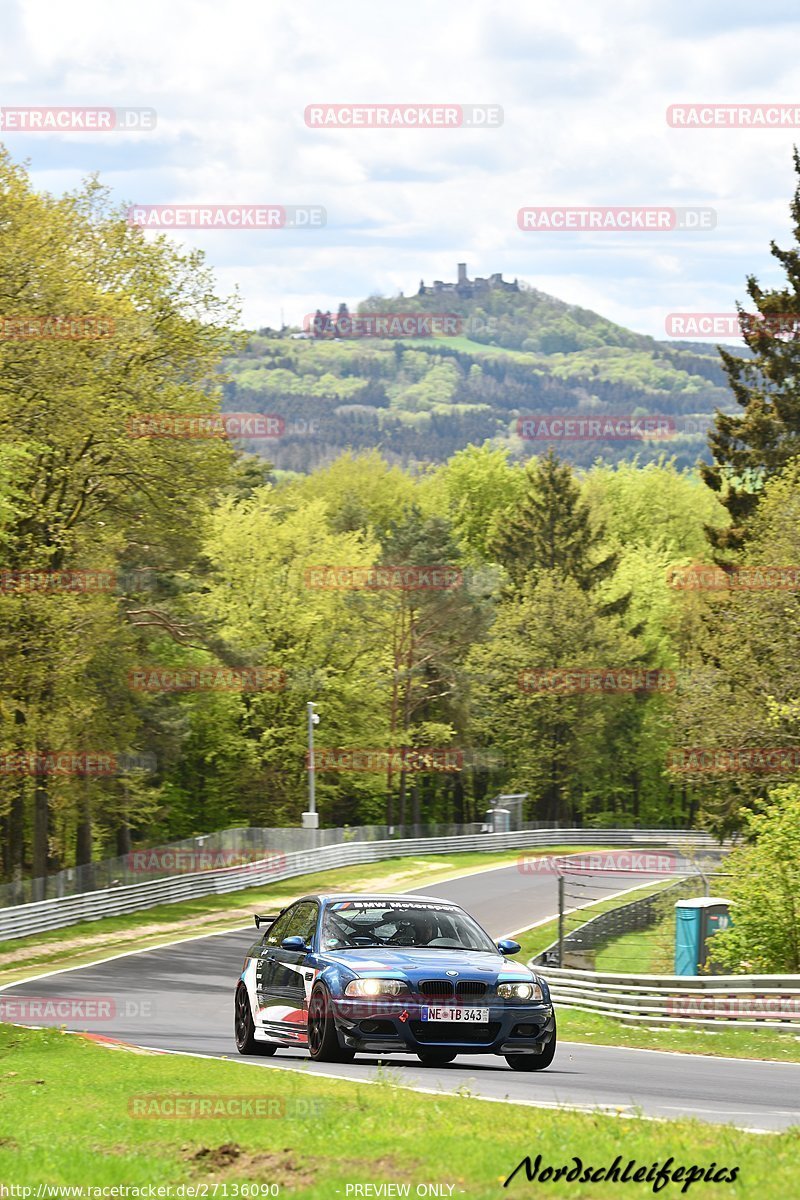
(520, 991)
(375, 987)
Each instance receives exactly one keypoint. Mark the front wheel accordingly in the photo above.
(323, 1041)
(435, 1058)
(533, 1062)
(244, 1027)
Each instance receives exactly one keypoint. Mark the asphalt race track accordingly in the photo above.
(180, 998)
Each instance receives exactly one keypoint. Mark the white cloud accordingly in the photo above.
(584, 87)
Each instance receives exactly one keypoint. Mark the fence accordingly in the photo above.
(38, 916)
(241, 844)
(718, 1001)
(625, 918)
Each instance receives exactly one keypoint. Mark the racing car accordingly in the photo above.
(389, 974)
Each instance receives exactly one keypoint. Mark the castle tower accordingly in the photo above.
(462, 273)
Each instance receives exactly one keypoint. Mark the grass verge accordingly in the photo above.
(69, 1109)
(539, 937)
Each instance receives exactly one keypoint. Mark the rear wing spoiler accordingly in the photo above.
(268, 919)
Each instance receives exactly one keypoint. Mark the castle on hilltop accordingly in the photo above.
(468, 287)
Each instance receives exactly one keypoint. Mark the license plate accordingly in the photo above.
(468, 1016)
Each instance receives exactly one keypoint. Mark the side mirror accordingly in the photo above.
(507, 946)
(295, 942)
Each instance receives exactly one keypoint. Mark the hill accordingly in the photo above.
(496, 353)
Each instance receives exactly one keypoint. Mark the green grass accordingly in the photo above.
(90, 940)
(732, 1043)
(538, 938)
(67, 1119)
(647, 952)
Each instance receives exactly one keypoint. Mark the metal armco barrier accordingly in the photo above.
(708, 1001)
(25, 919)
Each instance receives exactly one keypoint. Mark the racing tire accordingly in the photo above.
(244, 1027)
(436, 1058)
(533, 1062)
(323, 1040)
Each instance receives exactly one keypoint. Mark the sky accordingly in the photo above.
(584, 89)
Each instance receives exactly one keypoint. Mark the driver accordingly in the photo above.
(426, 927)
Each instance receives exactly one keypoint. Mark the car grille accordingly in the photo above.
(436, 987)
(446, 988)
(471, 987)
(450, 1031)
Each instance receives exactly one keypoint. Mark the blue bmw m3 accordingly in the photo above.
(389, 974)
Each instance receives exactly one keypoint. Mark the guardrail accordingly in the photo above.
(25, 919)
(221, 848)
(708, 1001)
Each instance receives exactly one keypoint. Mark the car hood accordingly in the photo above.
(423, 963)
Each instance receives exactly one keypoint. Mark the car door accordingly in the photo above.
(265, 1018)
(286, 977)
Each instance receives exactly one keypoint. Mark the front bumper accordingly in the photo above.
(392, 1027)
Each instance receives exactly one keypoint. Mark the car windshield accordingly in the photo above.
(355, 924)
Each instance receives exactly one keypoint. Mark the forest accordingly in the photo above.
(472, 621)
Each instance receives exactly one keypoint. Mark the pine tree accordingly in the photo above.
(749, 448)
(551, 529)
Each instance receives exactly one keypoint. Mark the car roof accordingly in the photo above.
(327, 897)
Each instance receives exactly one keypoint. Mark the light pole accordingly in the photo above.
(311, 818)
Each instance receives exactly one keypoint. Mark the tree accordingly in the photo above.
(753, 446)
(264, 599)
(95, 497)
(551, 529)
(555, 746)
(739, 647)
(430, 633)
(479, 485)
(764, 888)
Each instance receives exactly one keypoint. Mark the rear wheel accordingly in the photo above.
(533, 1062)
(323, 1041)
(435, 1058)
(244, 1027)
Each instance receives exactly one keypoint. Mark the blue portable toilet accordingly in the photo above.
(695, 921)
